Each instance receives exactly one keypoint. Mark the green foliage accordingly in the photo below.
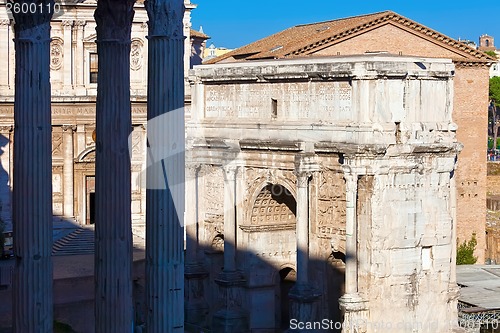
(490, 143)
(495, 90)
(465, 252)
(491, 54)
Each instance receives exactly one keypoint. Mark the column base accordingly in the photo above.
(304, 305)
(231, 318)
(355, 310)
(196, 309)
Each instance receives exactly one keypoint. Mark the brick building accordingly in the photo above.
(394, 34)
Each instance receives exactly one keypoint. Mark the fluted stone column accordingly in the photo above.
(230, 318)
(304, 298)
(195, 307)
(68, 193)
(165, 174)
(113, 233)
(78, 82)
(32, 192)
(67, 26)
(351, 303)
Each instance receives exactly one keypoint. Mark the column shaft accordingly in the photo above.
(302, 228)
(67, 66)
(165, 174)
(68, 195)
(229, 219)
(351, 267)
(79, 56)
(191, 214)
(32, 193)
(113, 233)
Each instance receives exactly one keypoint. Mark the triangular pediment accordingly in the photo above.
(90, 39)
(313, 39)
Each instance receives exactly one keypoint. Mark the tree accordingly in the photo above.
(465, 252)
(491, 54)
(494, 107)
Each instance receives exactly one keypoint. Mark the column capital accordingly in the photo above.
(67, 24)
(303, 177)
(69, 128)
(230, 171)
(79, 24)
(114, 20)
(4, 22)
(165, 18)
(192, 170)
(33, 26)
(6, 128)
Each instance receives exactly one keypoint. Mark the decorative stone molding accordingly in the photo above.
(4, 22)
(56, 54)
(267, 227)
(136, 54)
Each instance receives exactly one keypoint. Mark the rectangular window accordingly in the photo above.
(274, 108)
(93, 68)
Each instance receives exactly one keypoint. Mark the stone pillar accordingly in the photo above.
(4, 55)
(351, 303)
(113, 233)
(304, 298)
(67, 26)
(5, 176)
(230, 318)
(68, 155)
(195, 307)
(165, 194)
(32, 192)
(78, 56)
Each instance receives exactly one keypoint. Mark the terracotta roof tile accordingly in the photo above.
(197, 34)
(302, 40)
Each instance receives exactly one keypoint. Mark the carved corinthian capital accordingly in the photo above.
(165, 18)
(114, 20)
(32, 18)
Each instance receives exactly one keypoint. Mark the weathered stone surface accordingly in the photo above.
(377, 137)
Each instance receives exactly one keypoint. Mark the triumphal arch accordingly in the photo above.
(321, 191)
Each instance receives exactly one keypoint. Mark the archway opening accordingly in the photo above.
(287, 279)
(274, 205)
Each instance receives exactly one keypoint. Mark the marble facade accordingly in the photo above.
(74, 89)
(322, 184)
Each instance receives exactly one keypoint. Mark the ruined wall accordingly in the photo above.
(383, 123)
(410, 253)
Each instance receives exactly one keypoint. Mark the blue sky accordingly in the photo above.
(236, 23)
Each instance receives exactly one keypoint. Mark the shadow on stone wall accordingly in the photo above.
(265, 298)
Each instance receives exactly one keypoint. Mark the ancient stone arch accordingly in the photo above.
(274, 204)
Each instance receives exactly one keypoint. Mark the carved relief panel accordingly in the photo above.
(211, 201)
(331, 207)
